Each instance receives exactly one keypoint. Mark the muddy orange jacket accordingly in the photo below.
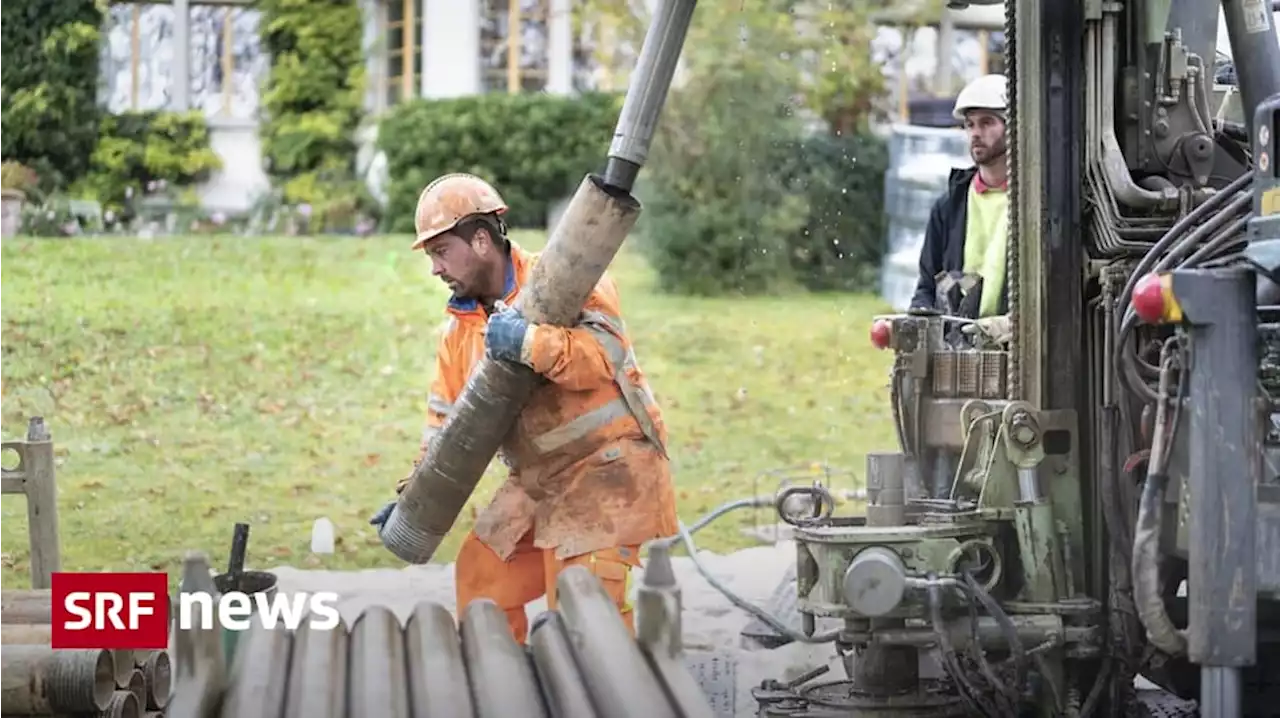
(587, 459)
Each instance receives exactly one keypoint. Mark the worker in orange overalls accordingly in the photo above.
(589, 477)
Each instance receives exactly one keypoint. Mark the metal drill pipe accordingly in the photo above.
(557, 669)
(379, 685)
(437, 673)
(26, 606)
(259, 674)
(318, 674)
(596, 223)
(137, 685)
(123, 704)
(584, 242)
(159, 674)
(123, 663)
(621, 683)
(647, 92)
(494, 660)
(38, 680)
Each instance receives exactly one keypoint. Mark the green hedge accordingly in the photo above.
(842, 242)
(314, 103)
(533, 147)
(139, 150)
(49, 51)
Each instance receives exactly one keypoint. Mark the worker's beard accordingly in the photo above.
(987, 155)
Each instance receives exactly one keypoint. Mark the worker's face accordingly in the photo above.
(986, 136)
(461, 264)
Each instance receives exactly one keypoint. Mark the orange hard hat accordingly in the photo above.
(448, 200)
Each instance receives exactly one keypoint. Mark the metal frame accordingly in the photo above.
(517, 78)
(182, 36)
(34, 478)
(409, 50)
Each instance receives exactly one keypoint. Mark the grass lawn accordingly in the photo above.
(192, 383)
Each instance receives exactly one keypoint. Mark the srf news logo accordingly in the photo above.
(110, 610)
(130, 611)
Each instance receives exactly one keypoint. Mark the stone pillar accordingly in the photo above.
(450, 48)
(180, 100)
(560, 48)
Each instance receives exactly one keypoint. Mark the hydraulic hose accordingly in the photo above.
(1146, 541)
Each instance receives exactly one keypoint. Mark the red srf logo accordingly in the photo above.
(127, 611)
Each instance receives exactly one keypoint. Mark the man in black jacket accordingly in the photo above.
(968, 226)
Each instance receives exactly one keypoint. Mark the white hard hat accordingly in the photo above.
(989, 92)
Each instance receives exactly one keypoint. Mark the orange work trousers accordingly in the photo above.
(531, 572)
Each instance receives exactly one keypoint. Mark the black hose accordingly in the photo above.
(970, 693)
(1181, 227)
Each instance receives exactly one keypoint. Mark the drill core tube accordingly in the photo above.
(438, 686)
(621, 683)
(557, 670)
(379, 682)
(40, 681)
(647, 93)
(318, 673)
(259, 673)
(583, 244)
(495, 659)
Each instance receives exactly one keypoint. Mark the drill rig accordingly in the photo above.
(1051, 496)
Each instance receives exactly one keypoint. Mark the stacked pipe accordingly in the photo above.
(580, 663)
(41, 681)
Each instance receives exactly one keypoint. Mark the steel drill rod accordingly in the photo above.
(38, 680)
(557, 669)
(379, 685)
(137, 685)
(159, 674)
(318, 674)
(596, 223)
(123, 704)
(620, 681)
(26, 606)
(259, 674)
(122, 661)
(647, 92)
(584, 242)
(437, 673)
(501, 676)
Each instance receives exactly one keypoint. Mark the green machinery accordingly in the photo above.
(1100, 498)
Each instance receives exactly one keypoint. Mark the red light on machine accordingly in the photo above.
(881, 333)
(1153, 299)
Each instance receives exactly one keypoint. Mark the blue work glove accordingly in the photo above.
(504, 337)
(380, 519)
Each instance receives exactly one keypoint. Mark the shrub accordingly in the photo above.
(139, 151)
(718, 208)
(313, 102)
(841, 243)
(49, 51)
(535, 148)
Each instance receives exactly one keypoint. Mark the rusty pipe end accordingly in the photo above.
(122, 704)
(409, 543)
(138, 687)
(80, 681)
(121, 668)
(159, 674)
